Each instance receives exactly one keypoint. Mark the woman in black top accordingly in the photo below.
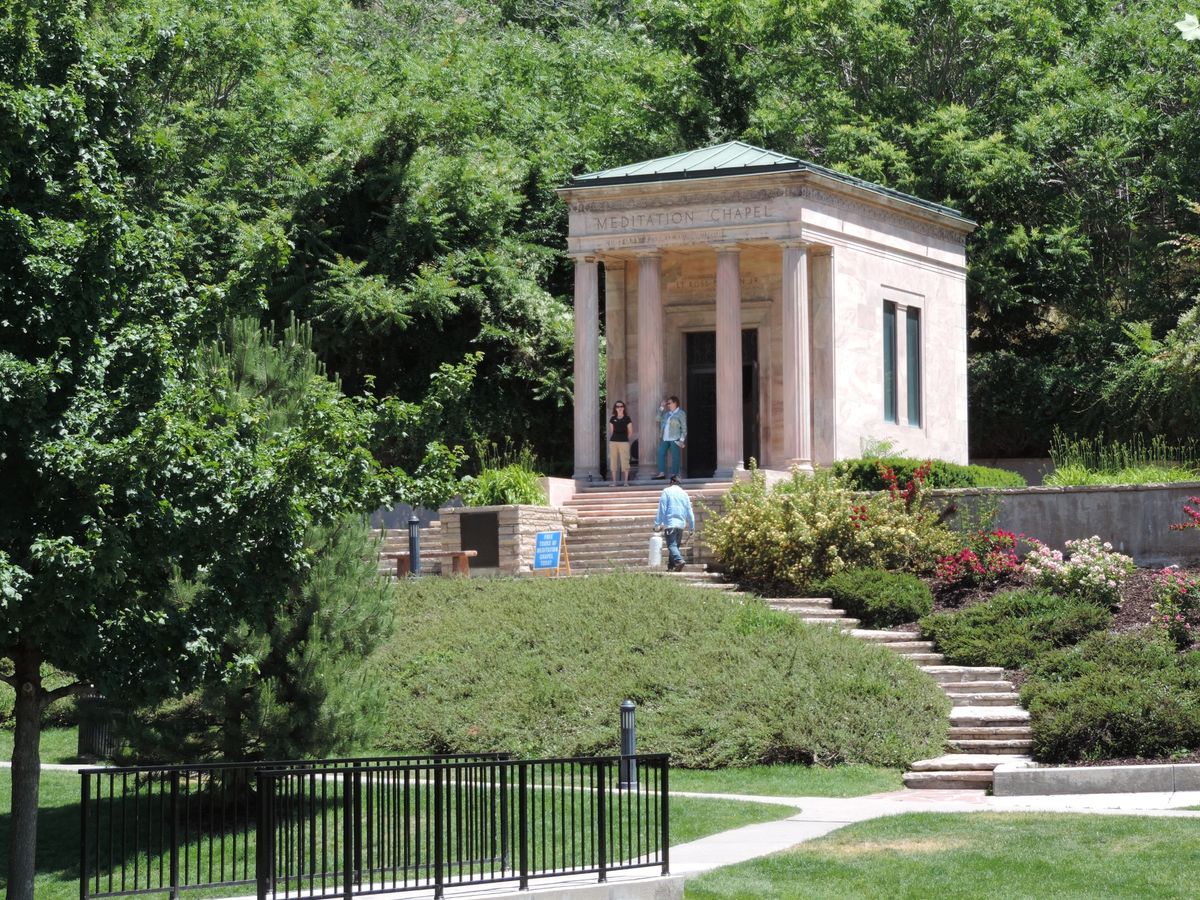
(620, 435)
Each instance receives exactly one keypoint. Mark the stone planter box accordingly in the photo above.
(516, 533)
(1017, 780)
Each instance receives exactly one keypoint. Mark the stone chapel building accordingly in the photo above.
(797, 312)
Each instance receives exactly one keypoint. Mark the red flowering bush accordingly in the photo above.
(989, 558)
(1177, 605)
(1193, 514)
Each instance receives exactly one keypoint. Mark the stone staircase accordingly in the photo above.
(615, 524)
(987, 726)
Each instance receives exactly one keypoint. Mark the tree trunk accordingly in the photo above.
(26, 769)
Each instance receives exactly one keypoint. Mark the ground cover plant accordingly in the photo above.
(538, 667)
(1082, 460)
(1012, 628)
(877, 597)
(1114, 697)
(922, 855)
(57, 866)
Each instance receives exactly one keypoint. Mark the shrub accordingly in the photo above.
(1092, 572)
(1012, 629)
(878, 597)
(540, 666)
(1113, 697)
(803, 530)
(864, 473)
(1177, 605)
(505, 481)
(990, 557)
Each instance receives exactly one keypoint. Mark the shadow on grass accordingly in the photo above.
(58, 841)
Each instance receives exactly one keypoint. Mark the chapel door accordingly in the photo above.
(700, 402)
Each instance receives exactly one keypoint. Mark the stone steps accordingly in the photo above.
(978, 687)
(887, 637)
(949, 781)
(953, 674)
(845, 624)
(1007, 699)
(789, 603)
(974, 745)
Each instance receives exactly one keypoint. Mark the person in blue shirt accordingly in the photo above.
(672, 425)
(674, 514)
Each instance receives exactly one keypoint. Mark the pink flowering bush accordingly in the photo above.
(1092, 570)
(1177, 605)
(989, 558)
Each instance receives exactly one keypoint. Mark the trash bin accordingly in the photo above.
(96, 740)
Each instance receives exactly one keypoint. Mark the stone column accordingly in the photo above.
(797, 365)
(901, 364)
(650, 359)
(587, 368)
(614, 330)
(729, 361)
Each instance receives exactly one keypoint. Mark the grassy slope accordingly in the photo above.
(974, 856)
(539, 667)
(58, 823)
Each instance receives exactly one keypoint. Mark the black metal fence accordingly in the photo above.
(167, 829)
(344, 828)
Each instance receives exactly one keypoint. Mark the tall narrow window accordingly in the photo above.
(889, 362)
(912, 355)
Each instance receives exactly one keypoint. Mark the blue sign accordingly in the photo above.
(547, 550)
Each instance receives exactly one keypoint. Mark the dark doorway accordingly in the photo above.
(701, 361)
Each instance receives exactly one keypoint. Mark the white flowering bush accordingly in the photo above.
(1091, 570)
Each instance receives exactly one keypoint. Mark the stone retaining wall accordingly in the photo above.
(1134, 518)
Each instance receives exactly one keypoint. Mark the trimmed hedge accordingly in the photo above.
(863, 473)
(1013, 628)
(878, 597)
(1114, 697)
(540, 666)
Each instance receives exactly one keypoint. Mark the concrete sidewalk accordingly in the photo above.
(818, 816)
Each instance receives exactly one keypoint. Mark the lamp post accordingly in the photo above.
(414, 545)
(629, 776)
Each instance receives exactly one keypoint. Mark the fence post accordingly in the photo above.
(358, 818)
(174, 834)
(523, 822)
(414, 545)
(665, 817)
(439, 834)
(602, 820)
(505, 825)
(347, 834)
(85, 797)
(261, 841)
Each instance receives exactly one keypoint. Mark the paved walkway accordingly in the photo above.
(818, 816)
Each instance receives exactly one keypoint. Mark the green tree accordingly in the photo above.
(130, 467)
(291, 681)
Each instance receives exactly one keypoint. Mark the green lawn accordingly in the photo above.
(789, 781)
(976, 855)
(58, 745)
(58, 839)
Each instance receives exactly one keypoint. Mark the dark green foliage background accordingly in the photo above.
(541, 666)
(878, 597)
(386, 171)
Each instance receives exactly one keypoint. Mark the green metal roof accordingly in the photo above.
(736, 158)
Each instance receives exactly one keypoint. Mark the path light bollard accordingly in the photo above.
(629, 775)
(414, 545)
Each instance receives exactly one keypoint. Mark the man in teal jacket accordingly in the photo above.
(674, 512)
(672, 432)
